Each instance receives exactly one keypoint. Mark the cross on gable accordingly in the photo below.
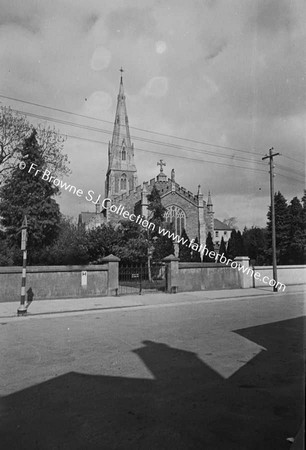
(161, 164)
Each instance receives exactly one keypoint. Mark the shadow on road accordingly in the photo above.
(186, 406)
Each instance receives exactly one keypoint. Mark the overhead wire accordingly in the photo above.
(90, 128)
(131, 127)
(109, 132)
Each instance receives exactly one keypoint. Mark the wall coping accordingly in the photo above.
(300, 266)
(111, 258)
(201, 265)
(171, 258)
(42, 269)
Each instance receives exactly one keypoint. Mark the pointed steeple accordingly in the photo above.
(121, 173)
(209, 202)
(121, 130)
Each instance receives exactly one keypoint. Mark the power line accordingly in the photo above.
(109, 132)
(131, 127)
(173, 155)
(186, 157)
(292, 159)
(94, 129)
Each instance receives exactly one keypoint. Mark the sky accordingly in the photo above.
(210, 87)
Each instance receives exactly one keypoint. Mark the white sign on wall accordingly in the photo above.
(84, 278)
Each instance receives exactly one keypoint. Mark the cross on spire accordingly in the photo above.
(121, 70)
(161, 163)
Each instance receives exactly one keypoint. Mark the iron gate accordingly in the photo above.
(137, 278)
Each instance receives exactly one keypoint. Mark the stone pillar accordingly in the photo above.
(113, 274)
(144, 201)
(172, 273)
(201, 220)
(245, 276)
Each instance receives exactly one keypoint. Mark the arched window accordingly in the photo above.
(123, 154)
(123, 182)
(177, 217)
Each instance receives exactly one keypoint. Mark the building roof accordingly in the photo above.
(218, 225)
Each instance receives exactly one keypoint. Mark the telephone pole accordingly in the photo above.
(270, 157)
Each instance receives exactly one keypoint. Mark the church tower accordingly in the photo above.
(121, 176)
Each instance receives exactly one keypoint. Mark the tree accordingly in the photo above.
(296, 245)
(232, 246)
(195, 255)
(210, 247)
(163, 245)
(70, 246)
(184, 250)
(14, 129)
(156, 208)
(6, 253)
(222, 249)
(240, 244)
(103, 241)
(28, 194)
(282, 229)
(304, 224)
(133, 243)
(255, 244)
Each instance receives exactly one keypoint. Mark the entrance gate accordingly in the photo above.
(138, 278)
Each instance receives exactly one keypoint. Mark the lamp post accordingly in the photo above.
(22, 310)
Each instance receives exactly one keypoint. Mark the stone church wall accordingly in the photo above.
(129, 201)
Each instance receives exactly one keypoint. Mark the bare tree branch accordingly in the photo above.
(14, 129)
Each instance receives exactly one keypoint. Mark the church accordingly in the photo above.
(184, 209)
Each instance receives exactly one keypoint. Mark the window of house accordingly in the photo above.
(225, 233)
(217, 233)
(177, 217)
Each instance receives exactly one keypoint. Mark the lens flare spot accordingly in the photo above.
(100, 59)
(160, 47)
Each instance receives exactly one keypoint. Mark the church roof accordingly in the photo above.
(218, 225)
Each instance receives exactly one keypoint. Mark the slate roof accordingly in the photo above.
(218, 225)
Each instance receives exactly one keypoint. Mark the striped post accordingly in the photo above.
(22, 310)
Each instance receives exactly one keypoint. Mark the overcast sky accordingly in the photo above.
(224, 73)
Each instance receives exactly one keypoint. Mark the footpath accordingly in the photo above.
(57, 307)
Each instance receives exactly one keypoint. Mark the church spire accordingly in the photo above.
(209, 203)
(121, 132)
(121, 173)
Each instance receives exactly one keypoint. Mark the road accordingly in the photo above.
(193, 375)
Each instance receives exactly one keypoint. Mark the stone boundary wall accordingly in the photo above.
(197, 276)
(285, 274)
(51, 282)
(205, 276)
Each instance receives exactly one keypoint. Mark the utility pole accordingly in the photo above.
(270, 157)
(22, 310)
